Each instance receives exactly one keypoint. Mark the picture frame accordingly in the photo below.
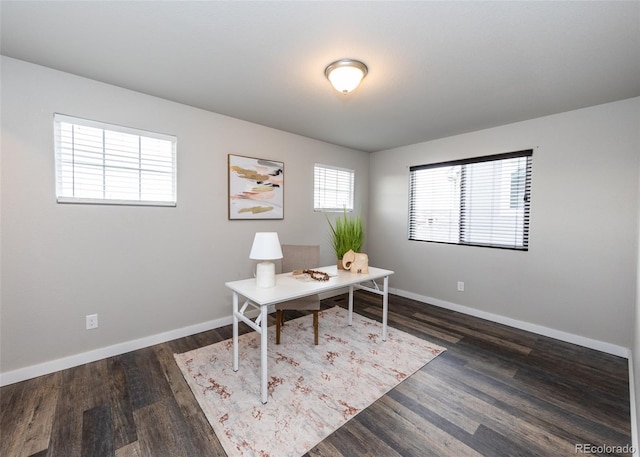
(256, 188)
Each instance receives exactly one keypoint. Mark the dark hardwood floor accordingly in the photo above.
(497, 391)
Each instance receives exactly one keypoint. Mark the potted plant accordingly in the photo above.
(347, 232)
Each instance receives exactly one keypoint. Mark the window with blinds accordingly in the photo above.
(483, 201)
(333, 188)
(109, 164)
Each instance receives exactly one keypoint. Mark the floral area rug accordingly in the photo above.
(313, 390)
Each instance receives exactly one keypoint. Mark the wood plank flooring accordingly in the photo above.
(497, 391)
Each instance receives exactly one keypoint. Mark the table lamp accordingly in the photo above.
(266, 247)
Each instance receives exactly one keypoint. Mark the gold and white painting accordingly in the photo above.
(256, 188)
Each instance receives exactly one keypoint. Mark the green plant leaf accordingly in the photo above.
(346, 233)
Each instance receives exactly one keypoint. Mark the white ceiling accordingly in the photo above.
(435, 68)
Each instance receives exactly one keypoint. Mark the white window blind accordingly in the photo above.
(483, 201)
(104, 163)
(333, 188)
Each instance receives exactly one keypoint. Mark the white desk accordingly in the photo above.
(287, 288)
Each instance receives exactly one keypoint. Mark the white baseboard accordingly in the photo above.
(71, 361)
(522, 325)
(52, 366)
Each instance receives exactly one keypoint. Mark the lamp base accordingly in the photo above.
(266, 274)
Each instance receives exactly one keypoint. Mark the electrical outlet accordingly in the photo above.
(91, 321)
(460, 286)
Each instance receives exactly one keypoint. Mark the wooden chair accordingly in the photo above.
(297, 257)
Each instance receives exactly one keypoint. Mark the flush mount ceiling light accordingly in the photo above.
(346, 74)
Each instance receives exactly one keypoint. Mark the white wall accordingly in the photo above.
(144, 270)
(149, 270)
(579, 275)
(634, 360)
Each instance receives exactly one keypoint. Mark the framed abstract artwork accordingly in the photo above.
(256, 188)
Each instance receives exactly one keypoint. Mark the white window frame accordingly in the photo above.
(137, 174)
(333, 188)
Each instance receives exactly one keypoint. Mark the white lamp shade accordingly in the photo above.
(266, 246)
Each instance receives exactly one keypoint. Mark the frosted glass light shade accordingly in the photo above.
(345, 75)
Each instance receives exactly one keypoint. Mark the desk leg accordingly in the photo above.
(350, 305)
(263, 353)
(235, 331)
(385, 307)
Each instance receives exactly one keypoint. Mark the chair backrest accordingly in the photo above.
(299, 257)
